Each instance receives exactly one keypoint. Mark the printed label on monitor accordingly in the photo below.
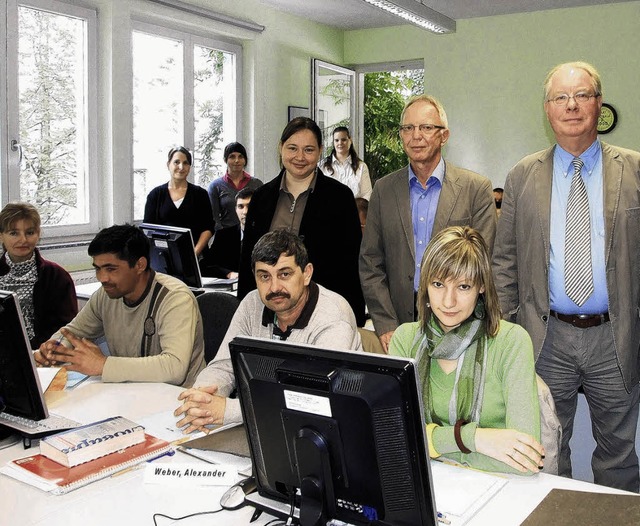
(318, 405)
(160, 243)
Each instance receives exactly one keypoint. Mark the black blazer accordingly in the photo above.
(331, 232)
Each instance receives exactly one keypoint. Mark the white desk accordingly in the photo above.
(126, 500)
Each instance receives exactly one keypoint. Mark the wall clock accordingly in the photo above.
(608, 118)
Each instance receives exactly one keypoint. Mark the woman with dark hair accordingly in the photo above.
(477, 371)
(46, 291)
(344, 164)
(222, 191)
(315, 207)
(181, 203)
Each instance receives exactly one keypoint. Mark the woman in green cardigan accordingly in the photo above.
(477, 372)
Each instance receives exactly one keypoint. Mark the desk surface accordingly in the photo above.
(127, 500)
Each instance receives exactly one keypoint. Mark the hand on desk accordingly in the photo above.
(85, 356)
(200, 407)
(516, 449)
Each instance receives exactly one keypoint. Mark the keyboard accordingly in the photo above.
(38, 428)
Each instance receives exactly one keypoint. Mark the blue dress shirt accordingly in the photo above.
(592, 174)
(424, 202)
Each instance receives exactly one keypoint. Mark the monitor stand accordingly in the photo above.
(277, 508)
(273, 507)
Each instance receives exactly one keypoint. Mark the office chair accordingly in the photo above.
(217, 309)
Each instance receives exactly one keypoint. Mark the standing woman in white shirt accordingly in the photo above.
(344, 164)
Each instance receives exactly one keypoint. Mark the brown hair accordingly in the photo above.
(13, 212)
(453, 253)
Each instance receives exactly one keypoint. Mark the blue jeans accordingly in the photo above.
(573, 358)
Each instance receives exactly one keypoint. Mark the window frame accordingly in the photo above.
(10, 175)
(189, 38)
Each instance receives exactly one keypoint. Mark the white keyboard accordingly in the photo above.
(36, 428)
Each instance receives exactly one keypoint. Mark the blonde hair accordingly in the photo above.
(13, 212)
(459, 253)
(585, 66)
(430, 100)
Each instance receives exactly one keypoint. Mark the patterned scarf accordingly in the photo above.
(21, 279)
(467, 344)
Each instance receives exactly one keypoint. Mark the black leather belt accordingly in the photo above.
(582, 321)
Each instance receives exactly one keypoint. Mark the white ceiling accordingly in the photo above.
(357, 14)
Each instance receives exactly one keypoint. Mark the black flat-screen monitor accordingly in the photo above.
(20, 390)
(173, 253)
(339, 434)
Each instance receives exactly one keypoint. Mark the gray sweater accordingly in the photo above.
(332, 325)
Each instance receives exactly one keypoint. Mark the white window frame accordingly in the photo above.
(189, 39)
(361, 70)
(10, 175)
(316, 66)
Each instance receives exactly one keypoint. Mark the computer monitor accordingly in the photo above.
(20, 390)
(173, 253)
(340, 434)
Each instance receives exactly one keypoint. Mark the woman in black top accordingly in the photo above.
(319, 209)
(180, 203)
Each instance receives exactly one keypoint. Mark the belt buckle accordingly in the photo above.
(584, 316)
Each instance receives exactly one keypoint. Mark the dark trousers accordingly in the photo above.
(573, 358)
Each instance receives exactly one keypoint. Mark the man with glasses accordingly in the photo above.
(410, 205)
(566, 262)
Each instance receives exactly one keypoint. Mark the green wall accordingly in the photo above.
(489, 75)
(277, 73)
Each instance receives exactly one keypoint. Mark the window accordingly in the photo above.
(334, 98)
(50, 121)
(384, 89)
(185, 92)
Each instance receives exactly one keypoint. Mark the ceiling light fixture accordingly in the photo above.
(417, 13)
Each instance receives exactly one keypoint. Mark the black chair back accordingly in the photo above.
(217, 309)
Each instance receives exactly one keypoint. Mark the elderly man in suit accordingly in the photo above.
(576, 287)
(410, 205)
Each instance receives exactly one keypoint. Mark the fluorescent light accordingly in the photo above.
(417, 13)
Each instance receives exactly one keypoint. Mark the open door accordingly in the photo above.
(333, 99)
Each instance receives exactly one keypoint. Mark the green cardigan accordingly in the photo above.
(510, 393)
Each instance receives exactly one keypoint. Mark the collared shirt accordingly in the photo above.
(359, 181)
(289, 210)
(424, 202)
(592, 174)
(241, 184)
(269, 317)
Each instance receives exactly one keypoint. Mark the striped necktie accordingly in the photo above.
(578, 276)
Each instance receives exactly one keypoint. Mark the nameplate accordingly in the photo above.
(188, 474)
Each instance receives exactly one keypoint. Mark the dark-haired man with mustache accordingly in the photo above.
(287, 305)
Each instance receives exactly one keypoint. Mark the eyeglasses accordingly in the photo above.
(425, 129)
(580, 98)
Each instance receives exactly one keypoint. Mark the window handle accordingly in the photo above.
(17, 147)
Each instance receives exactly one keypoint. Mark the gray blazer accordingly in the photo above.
(521, 251)
(387, 254)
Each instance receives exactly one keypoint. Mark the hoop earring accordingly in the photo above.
(479, 311)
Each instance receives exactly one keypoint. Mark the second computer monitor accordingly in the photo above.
(173, 253)
(339, 435)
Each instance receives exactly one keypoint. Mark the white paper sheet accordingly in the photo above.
(461, 492)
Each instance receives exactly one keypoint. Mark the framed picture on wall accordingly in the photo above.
(298, 111)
